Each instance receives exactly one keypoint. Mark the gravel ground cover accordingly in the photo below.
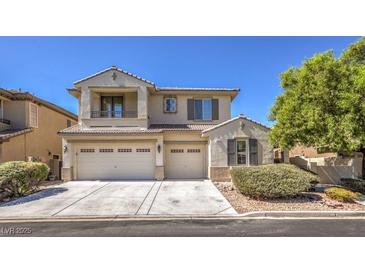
(305, 201)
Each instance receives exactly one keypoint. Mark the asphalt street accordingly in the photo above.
(324, 227)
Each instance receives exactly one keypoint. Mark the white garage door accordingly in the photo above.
(116, 161)
(184, 161)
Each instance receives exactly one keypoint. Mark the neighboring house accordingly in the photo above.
(131, 129)
(309, 152)
(29, 126)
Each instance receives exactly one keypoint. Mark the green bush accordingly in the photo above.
(356, 185)
(20, 178)
(341, 194)
(272, 181)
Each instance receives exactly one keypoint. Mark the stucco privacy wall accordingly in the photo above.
(157, 114)
(218, 140)
(106, 79)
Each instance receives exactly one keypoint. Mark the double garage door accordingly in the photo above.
(116, 161)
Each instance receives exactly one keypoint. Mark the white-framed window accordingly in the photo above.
(170, 104)
(241, 152)
(33, 115)
(203, 109)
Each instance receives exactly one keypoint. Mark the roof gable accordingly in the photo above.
(240, 117)
(114, 71)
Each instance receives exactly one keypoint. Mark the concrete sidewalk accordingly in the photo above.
(121, 198)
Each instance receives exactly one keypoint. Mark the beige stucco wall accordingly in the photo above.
(218, 140)
(16, 112)
(41, 140)
(106, 79)
(158, 116)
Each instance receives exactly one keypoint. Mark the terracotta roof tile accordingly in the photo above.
(9, 133)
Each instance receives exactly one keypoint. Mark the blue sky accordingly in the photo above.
(46, 66)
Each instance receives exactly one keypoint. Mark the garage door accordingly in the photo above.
(184, 161)
(124, 161)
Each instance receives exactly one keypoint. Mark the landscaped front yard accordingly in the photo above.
(286, 188)
(305, 201)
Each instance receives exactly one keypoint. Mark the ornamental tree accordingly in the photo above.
(323, 103)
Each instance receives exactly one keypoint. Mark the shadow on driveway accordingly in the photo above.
(35, 196)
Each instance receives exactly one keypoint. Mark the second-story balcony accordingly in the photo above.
(114, 114)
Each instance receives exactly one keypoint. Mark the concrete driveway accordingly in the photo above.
(121, 198)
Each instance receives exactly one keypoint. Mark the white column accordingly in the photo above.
(85, 110)
(142, 102)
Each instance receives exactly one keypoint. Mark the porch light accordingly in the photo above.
(158, 148)
(64, 148)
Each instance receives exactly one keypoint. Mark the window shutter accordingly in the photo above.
(215, 109)
(198, 109)
(254, 161)
(231, 152)
(190, 109)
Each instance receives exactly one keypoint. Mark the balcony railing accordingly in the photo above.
(4, 121)
(114, 114)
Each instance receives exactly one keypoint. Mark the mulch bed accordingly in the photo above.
(305, 201)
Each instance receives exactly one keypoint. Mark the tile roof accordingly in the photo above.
(181, 127)
(20, 95)
(117, 69)
(78, 129)
(196, 89)
(154, 128)
(9, 133)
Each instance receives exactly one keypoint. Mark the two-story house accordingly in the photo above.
(129, 128)
(29, 127)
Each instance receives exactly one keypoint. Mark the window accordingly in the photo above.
(111, 106)
(177, 151)
(106, 150)
(143, 150)
(33, 115)
(170, 105)
(193, 150)
(87, 150)
(203, 109)
(124, 150)
(241, 152)
(68, 123)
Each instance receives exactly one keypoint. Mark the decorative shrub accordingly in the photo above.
(272, 181)
(341, 194)
(356, 185)
(20, 178)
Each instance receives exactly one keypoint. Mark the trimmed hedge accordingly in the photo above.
(21, 178)
(341, 194)
(356, 185)
(272, 181)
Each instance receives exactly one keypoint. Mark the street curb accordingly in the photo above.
(304, 214)
(246, 216)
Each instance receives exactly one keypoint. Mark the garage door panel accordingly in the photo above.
(131, 161)
(185, 161)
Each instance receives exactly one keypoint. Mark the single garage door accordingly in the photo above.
(113, 162)
(184, 161)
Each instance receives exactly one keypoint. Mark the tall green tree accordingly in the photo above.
(323, 103)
